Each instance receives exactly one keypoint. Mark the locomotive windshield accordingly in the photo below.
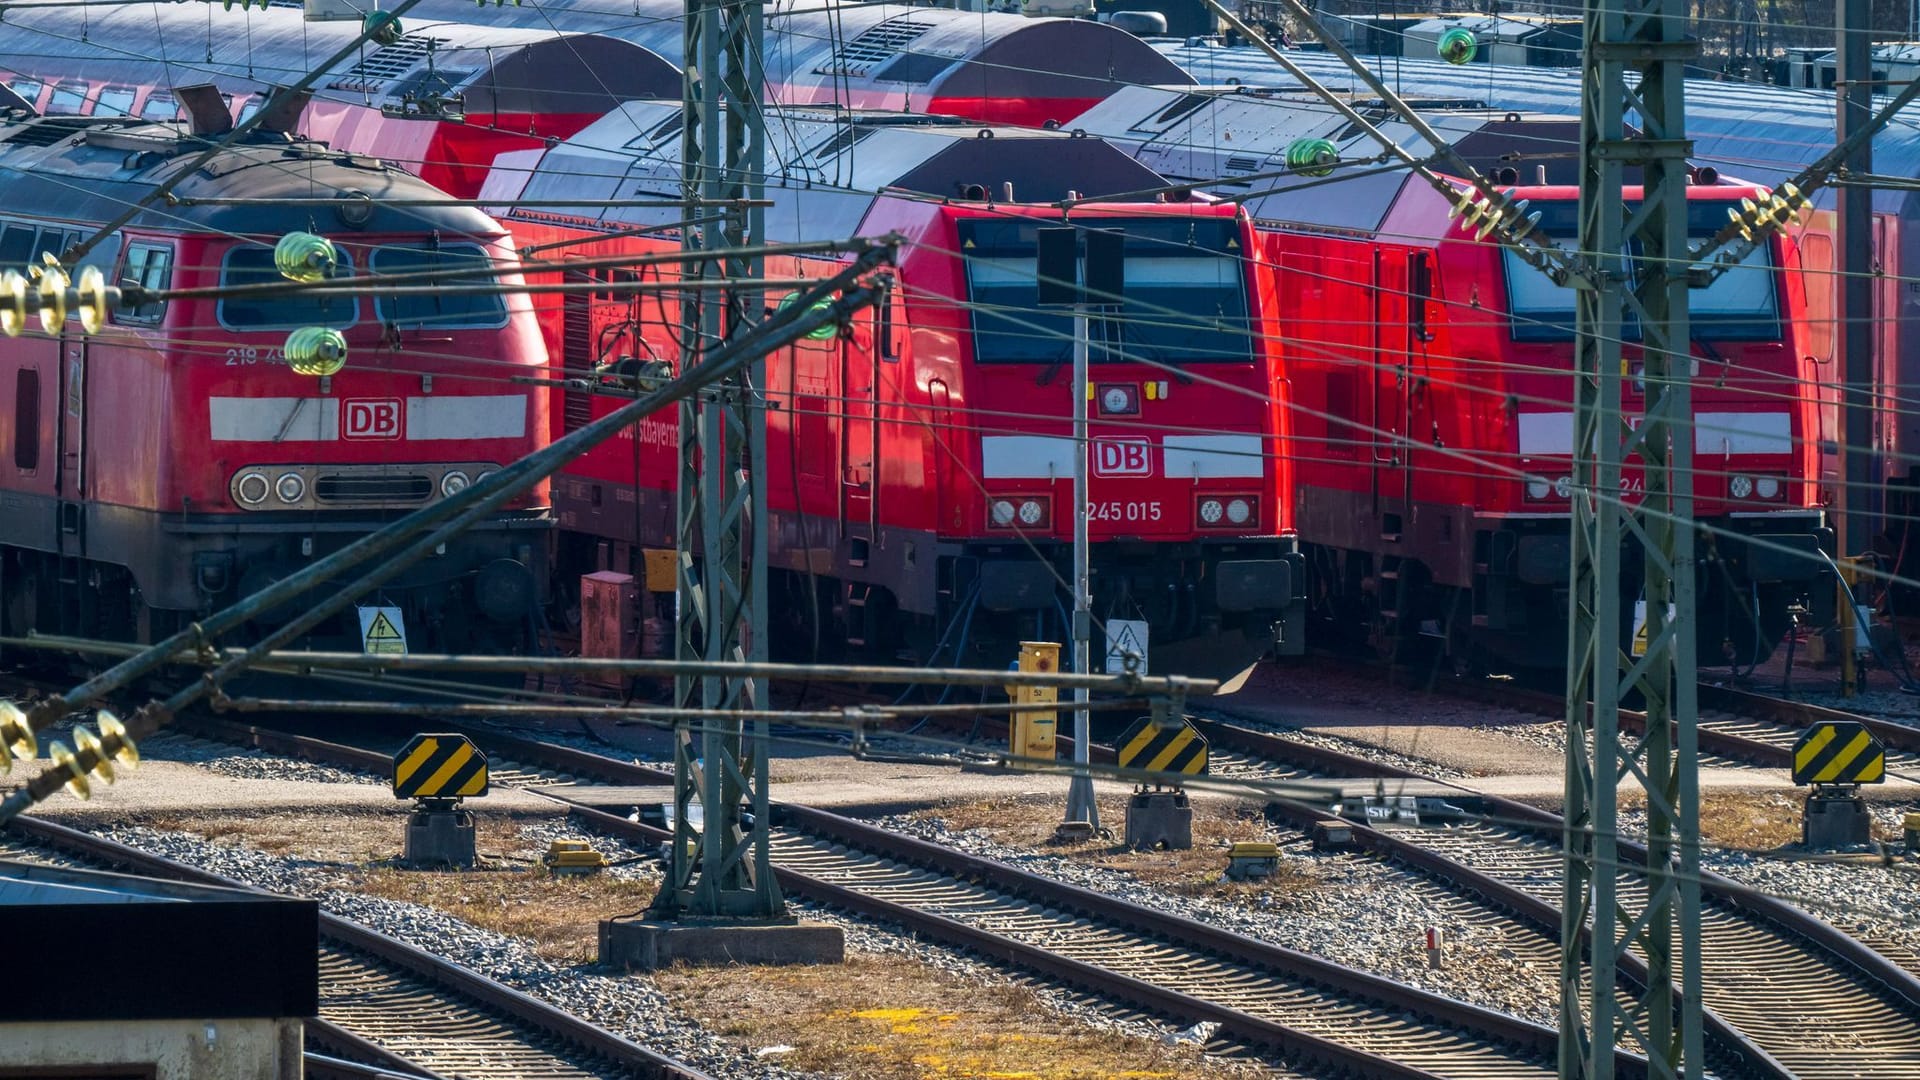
(1186, 299)
(279, 310)
(1741, 305)
(437, 306)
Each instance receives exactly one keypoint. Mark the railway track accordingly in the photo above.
(389, 1009)
(1852, 1012)
(1312, 1014)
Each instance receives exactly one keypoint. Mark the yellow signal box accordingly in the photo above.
(1032, 732)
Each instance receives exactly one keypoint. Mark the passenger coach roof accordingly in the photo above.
(498, 69)
(1759, 133)
(826, 167)
(830, 49)
(77, 169)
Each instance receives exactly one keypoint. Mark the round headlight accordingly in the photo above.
(483, 474)
(453, 483)
(1563, 487)
(1002, 512)
(251, 488)
(1238, 511)
(290, 487)
(1740, 486)
(1030, 512)
(1539, 488)
(1768, 487)
(1210, 510)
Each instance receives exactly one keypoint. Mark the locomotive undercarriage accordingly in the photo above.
(1509, 609)
(129, 575)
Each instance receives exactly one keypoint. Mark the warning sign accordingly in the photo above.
(1126, 636)
(1640, 625)
(383, 631)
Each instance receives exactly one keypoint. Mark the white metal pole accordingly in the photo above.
(1080, 802)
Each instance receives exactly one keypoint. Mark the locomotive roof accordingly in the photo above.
(1214, 135)
(825, 167)
(832, 48)
(498, 69)
(80, 169)
(1760, 133)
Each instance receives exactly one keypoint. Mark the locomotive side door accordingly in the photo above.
(859, 443)
(70, 484)
(1390, 355)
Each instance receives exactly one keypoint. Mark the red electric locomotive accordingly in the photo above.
(920, 468)
(174, 462)
(439, 100)
(1431, 377)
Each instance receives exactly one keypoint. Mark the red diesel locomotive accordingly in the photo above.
(1430, 375)
(920, 470)
(174, 462)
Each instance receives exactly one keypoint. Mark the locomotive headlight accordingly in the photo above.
(1767, 487)
(1211, 511)
(1740, 487)
(290, 487)
(1031, 512)
(1002, 511)
(453, 483)
(1539, 487)
(1238, 511)
(1563, 487)
(251, 488)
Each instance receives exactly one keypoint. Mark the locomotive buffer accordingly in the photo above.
(438, 772)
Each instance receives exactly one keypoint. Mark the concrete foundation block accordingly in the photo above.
(1836, 821)
(440, 838)
(1157, 819)
(646, 945)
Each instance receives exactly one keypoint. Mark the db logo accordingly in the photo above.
(1122, 457)
(372, 418)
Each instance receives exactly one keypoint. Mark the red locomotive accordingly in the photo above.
(438, 100)
(1430, 378)
(919, 464)
(174, 462)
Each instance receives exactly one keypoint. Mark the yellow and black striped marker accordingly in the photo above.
(1839, 752)
(1179, 749)
(439, 767)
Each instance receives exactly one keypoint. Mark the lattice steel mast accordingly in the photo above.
(1661, 921)
(721, 601)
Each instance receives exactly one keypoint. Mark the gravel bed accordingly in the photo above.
(1377, 924)
(1344, 746)
(246, 763)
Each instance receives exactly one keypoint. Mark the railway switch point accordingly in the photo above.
(638, 944)
(438, 772)
(1332, 835)
(1252, 861)
(573, 857)
(1159, 819)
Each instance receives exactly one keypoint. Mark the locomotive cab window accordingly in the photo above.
(148, 266)
(69, 99)
(29, 89)
(1741, 305)
(1186, 297)
(26, 419)
(17, 246)
(114, 101)
(246, 266)
(437, 308)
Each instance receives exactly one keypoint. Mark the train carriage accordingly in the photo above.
(441, 100)
(919, 462)
(174, 462)
(1431, 375)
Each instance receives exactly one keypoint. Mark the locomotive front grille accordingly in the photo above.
(339, 488)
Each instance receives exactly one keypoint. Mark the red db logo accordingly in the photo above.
(372, 418)
(1122, 457)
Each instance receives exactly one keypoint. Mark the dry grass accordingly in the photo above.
(1028, 821)
(889, 1018)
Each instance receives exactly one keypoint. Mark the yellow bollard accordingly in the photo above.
(1031, 732)
(1849, 620)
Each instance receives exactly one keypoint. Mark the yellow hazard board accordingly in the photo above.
(439, 767)
(383, 631)
(1181, 749)
(1839, 752)
(1640, 625)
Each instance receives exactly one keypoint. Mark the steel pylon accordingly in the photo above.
(723, 869)
(1655, 913)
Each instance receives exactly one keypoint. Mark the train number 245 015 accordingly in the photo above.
(1117, 510)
